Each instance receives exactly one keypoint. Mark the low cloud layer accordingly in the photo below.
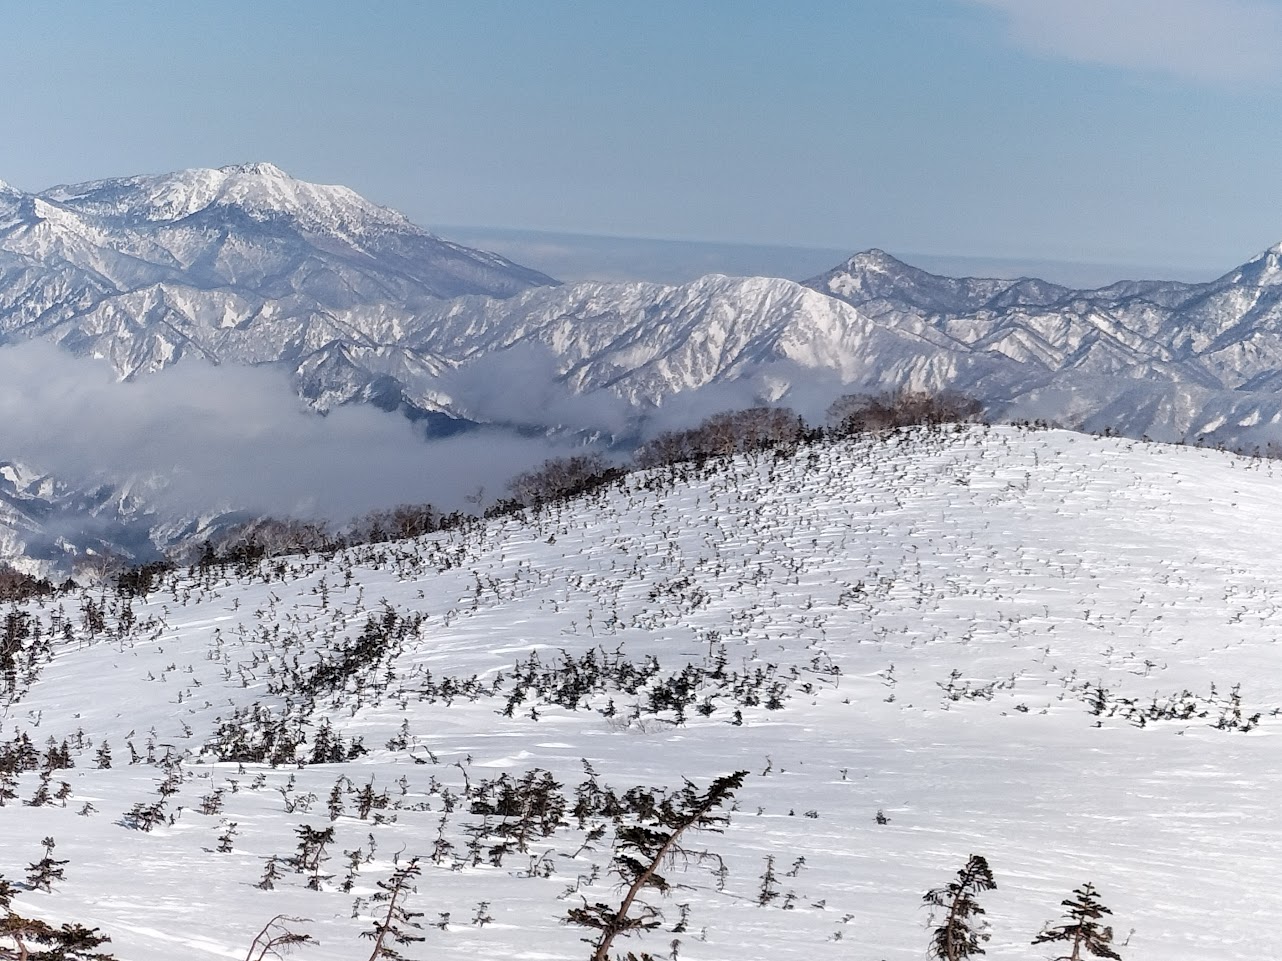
(236, 437)
(521, 385)
(1213, 41)
(218, 438)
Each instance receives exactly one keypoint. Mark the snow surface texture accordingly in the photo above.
(1026, 645)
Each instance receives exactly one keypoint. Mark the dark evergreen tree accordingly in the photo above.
(144, 816)
(42, 795)
(225, 839)
(396, 925)
(962, 934)
(311, 854)
(40, 941)
(270, 876)
(643, 848)
(1081, 929)
(335, 803)
(43, 873)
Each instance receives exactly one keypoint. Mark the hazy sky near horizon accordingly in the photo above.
(1127, 131)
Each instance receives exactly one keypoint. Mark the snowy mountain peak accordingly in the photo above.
(874, 274)
(870, 268)
(1264, 270)
(262, 168)
(237, 264)
(10, 200)
(262, 191)
(878, 260)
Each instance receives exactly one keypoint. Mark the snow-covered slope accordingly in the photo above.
(1053, 650)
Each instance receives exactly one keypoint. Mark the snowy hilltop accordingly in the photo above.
(867, 661)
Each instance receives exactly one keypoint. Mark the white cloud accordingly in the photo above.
(239, 437)
(236, 437)
(1217, 41)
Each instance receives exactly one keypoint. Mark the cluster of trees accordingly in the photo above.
(17, 586)
(726, 434)
(264, 537)
(557, 480)
(962, 932)
(749, 431)
(859, 413)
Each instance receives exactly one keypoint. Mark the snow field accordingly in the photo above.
(938, 610)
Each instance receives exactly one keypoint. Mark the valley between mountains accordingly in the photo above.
(1054, 650)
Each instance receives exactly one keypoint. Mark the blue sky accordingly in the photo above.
(1124, 131)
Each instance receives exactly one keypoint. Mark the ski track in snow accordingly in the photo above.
(1043, 564)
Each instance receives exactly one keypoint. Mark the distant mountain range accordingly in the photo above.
(247, 265)
(47, 524)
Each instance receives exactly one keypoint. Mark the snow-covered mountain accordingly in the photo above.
(1174, 361)
(1055, 651)
(248, 265)
(1168, 360)
(51, 527)
(243, 264)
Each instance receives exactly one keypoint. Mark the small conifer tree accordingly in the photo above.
(1081, 928)
(642, 849)
(311, 854)
(42, 796)
(271, 874)
(43, 873)
(396, 925)
(962, 934)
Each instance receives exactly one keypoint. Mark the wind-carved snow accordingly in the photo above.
(1027, 645)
